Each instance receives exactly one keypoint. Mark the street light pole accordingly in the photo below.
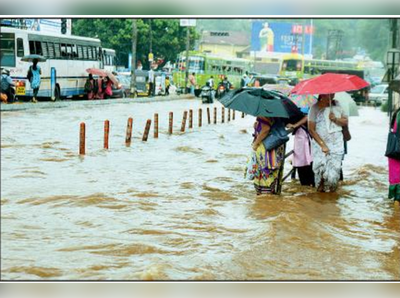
(187, 57)
(391, 69)
(133, 58)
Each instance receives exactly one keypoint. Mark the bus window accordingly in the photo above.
(85, 52)
(44, 49)
(50, 47)
(35, 47)
(7, 49)
(74, 52)
(80, 52)
(20, 48)
(63, 50)
(90, 53)
(57, 50)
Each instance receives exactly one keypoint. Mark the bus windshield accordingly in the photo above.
(7, 49)
(292, 65)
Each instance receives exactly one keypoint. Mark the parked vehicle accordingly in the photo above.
(207, 94)
(125, 86)
(221, 90)
(379, 94)
(142, 85)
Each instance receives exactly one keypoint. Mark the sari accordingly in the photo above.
(268, 163)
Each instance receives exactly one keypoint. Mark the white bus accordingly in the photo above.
(68, 55)
(109, 60)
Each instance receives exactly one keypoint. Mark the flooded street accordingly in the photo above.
(178, 207)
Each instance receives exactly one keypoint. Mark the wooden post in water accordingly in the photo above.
(155, 125)
(190, 118)
(229, 115)
(82, 136)
(208, 116)
(233, 114)
(106, 133)
(146, 130)
(200, 117)
(184, 121)
(171, 122)
(128, 132)
(223, 115)
(215, 115)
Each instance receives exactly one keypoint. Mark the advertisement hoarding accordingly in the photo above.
(280, 37)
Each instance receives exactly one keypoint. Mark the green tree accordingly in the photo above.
(168, 37)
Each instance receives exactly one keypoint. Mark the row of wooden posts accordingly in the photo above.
(128, 138)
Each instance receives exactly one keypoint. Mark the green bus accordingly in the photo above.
(206, 65)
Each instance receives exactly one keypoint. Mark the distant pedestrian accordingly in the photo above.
(243, 81)
(167, 85)
(211, 82)
(325, 122)
(192, 83)
(91, 87)
(33, 76)
(394, 164)
(107, 87)
(100, 91)
(151, 82)
(6, 83)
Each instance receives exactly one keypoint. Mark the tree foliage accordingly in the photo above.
(371, 36)
(168, 37)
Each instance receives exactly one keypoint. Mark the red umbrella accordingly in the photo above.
(103, 73)
(330, 83)
(97, 72)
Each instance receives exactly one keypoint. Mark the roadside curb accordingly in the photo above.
(84, 103)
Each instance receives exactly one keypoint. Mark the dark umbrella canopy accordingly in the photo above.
(260, 102)
(30, 58)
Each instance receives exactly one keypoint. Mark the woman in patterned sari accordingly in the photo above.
(266, 172)
(325, 121)
(394, 164)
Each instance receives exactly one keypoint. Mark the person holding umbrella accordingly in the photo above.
(325, 122)
(268, 162)
(33, 76)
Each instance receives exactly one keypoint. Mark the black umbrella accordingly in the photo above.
(260, 102)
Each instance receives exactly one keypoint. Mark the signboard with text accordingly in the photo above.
(52, 26)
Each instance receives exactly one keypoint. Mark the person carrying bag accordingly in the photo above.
(393, 154)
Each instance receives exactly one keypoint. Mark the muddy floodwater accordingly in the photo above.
(178, 207)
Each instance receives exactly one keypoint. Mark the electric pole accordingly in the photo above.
(187, 57)
(133, 58)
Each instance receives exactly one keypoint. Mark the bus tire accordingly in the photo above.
(57, 94)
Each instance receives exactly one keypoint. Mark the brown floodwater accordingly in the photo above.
(178, 207)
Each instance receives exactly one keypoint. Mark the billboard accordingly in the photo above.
(280, 37)
(42, 25)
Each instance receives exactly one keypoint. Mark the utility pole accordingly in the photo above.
(187, 57)
(133, 58)
(150, 37)
(391, 71)
(303, 39)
